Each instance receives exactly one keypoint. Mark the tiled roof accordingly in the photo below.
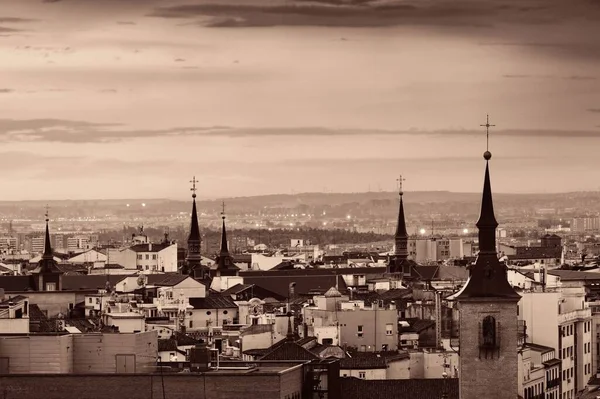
(279, 284)
(237, 289)
(170, 280)
(146, 247)
(538, 348)
(289, 350)
(430, 388)
(573, 275)
(420, 325)
(89, 282)
(167, 345)
(213, 302)
(16, 283)
(536, 253)
(39, 322)
(14, 299)
(371, 360)
(426, 273)
(396, 294)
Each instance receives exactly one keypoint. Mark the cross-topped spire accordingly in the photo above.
(223, 210)
(400, 179)
(46, 214)
(193, 189)
(487, 137)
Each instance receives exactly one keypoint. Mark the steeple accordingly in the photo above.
(47, 244)
(225, 265)
(488, 276)
(401, 236)
(224, 246)
(193, 258)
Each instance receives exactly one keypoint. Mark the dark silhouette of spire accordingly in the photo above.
(225, 264)
(401, 236)
(47, 243)
(224, 245)
(194, 257)
(488, 276)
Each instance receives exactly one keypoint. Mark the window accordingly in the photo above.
(389, 329)
(208, 313)
(50, 286)
(139, 257)
(147, 256)
(488, 330)
(327, 341)
(154, 257)
(225, 312)
(360, 331)
(362, 375)
(90, 300)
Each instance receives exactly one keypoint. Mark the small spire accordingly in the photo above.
(224, 245)
(401, 236)
(47, 243)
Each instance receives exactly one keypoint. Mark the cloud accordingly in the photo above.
(126, 23)
(4, 91)
(8, 30)
(372, 13)
(51, 1)
(14, 20)
(594, 110)
(68, 131)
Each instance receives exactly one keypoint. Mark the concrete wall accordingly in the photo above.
(369, 374)
(96, 353)
(55, 301)
(201, 319)
(430, 364)
(374, 328)
(38, 354)
(224, 386)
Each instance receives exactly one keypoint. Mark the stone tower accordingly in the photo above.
(487, 306)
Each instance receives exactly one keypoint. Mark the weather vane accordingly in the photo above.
(487, 155)
(400, 180)
(193, 189)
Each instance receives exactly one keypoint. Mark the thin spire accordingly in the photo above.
(224, 246)
(488, 277)
(194, 228)
(401, 236)
(47, 243)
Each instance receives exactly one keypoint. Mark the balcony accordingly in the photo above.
(553, 383)
(576, 315)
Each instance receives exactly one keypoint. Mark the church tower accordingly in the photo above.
(399, 265)
(47, 275)
(193, 258)
(487, 307)
(224, 263)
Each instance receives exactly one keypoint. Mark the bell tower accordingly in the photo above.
(487, 307)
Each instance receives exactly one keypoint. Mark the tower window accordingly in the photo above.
(488, 330)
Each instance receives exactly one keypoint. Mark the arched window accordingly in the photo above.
(489, 332)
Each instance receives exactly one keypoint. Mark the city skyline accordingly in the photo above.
(129, 99)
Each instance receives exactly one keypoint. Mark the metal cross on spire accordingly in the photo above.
(193, 189)
(400, 179)
(46, 214)
(487, 132)
(223, 209)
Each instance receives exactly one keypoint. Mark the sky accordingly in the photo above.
(131, 98)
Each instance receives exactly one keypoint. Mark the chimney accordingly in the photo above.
(149, 247)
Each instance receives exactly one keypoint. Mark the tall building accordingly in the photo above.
(194, 258)
(488, 316)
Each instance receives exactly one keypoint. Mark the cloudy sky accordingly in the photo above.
(130, 98)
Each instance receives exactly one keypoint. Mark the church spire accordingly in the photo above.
(224, 246)
(47, 243)
(193, 258)
(488, 276)
(401, 236)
